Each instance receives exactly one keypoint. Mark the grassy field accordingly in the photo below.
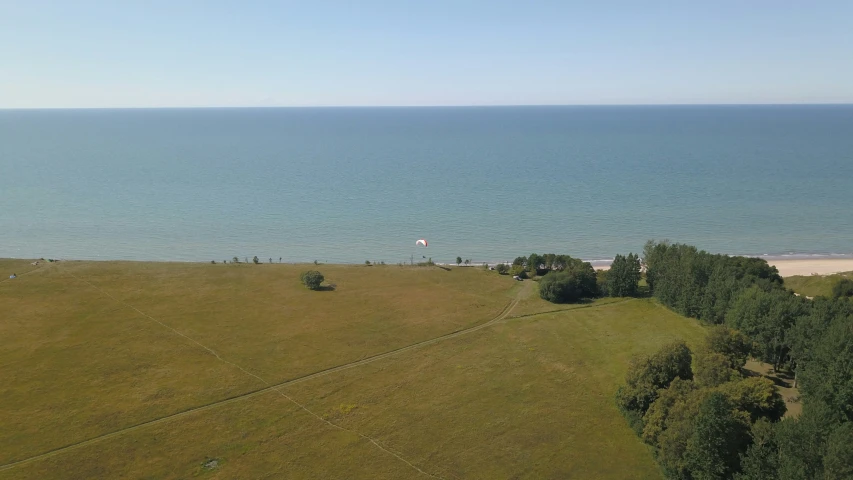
(94, 348)
(815, 285)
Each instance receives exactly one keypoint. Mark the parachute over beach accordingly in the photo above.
(421, 242)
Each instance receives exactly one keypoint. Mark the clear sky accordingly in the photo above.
(154, 53)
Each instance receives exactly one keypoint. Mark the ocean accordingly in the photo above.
(488, 184)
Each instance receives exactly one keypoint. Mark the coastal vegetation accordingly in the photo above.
(715, 423)
(564, 279)
(622, 279)
(818, 285)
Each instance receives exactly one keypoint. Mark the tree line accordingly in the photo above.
(703, 417)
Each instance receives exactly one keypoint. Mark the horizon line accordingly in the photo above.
(216, 107)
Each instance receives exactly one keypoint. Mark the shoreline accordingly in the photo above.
(788, 267)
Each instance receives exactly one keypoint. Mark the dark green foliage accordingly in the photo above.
(623, 277)
(807, 333)
(570, 285)
(711, 369)
(838, 461)
(502, 268)
(255, 260)
(755, 397)
(658, 417)
(519, 261)
(732, 344)
(518, 270)
(766, 317)
(678, 429)
(312, 279)
(761, 461)
(699, 428)
(719, 437)
(802, 443)
(699, 284)
(843, 289)
(458, 261)
(535, 264)
(235, 260)
(648, 374)
(827, 376)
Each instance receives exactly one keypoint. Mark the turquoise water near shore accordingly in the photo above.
(491, 183)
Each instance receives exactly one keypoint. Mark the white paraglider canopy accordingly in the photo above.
(421, 242)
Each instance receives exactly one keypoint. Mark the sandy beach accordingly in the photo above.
(801, 266)
(823, 266)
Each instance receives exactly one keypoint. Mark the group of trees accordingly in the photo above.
(699, 284)
(813, 339)
(565, 279)
(459, 261)
(536, 264)
(696, 408)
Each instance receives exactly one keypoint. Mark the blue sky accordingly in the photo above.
(156, 53)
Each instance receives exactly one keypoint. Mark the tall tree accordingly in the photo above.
(623, 278)
(766, 317)
(535, 263)
(838, 462)
(713, 451)
(761, 461)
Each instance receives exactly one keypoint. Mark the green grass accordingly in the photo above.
(815, 285)
(528, 397)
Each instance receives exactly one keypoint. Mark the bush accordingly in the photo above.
(844, 288)
(518, 271)
(502, 268)
(734, 345)
(312, 279)
(711, 369)
(648, 374)
(255, 260)
(569, 286)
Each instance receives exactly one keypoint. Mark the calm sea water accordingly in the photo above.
(350, 184)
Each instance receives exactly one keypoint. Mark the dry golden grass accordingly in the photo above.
(78, 361)
(528, 397)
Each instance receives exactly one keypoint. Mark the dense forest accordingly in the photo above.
(704, 418)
